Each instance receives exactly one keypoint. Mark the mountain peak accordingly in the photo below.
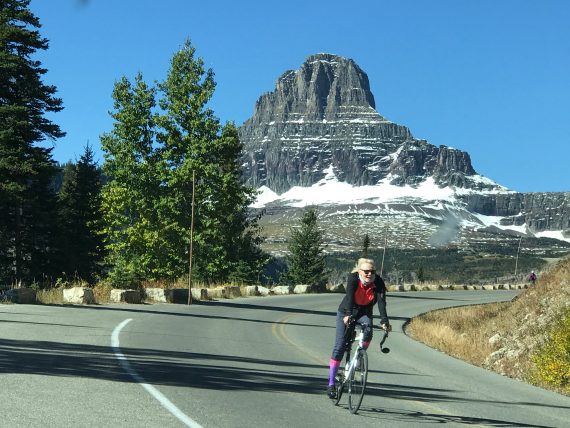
(323, 115)
(317, 139)
(325, 87)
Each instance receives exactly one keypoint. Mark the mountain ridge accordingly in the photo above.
(320, 124)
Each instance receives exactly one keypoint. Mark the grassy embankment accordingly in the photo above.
(527, 339)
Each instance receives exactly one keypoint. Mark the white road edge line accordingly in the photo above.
(165, 402)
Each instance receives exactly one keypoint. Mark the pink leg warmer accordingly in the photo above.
(333, 368)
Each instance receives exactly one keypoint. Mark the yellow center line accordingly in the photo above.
(278, 330)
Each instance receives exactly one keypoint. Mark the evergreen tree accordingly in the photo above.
(365, 245)
(242, 259)
(67, 219)
(27, 197)
(226, 238)
(79, 219)
(188, 137)
(161, 137)
(306, 259)
(420, 274)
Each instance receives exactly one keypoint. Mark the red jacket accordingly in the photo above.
(348, 306)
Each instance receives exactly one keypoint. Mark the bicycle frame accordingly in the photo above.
(355, 367)
(351, 360)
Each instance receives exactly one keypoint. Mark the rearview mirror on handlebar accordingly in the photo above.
(383, 349)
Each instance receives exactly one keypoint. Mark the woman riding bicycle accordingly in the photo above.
(364, 288)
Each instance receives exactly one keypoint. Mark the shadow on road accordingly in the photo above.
(423, 296)
(140, 310)
(185, 310)
(182, 369)
(221, 372)
(436, 395)
(420, 418)
(196, 370)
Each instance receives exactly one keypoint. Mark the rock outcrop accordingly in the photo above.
(538, 211)
(323, 115)
(321, 121)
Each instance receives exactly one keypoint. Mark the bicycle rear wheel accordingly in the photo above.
(357, 381)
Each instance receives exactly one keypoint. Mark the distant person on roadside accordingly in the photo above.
(363, 289)
(532, 277)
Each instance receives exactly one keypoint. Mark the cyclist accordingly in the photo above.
(364, 288)
(532, 277)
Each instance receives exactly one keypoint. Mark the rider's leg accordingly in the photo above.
(333, 370)
(338, 350)
(365, 323)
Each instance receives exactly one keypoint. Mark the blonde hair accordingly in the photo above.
(363, 261)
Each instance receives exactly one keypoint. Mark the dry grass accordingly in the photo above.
(460, 332)
(518, 328)
(102, 292)
(50, 296)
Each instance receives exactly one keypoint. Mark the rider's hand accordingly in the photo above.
(386, 327)
(346, 319)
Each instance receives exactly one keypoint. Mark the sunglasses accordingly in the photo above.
(366, 272)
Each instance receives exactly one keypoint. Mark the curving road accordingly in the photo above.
(243, 363)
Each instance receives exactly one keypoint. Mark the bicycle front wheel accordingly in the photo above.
(339, 385)
(357, 381)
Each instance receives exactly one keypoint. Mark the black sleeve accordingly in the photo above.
(351, 284)
(381, 290)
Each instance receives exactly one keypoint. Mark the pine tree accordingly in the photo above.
(365, 245)
(226, 239)
(306, 259)
(188, 135)
(243, 260)
(27, 197)
(420, 275)
(79, 210)
(67, 220)
(161, 137)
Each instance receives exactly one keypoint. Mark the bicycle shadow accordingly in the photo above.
(435, 395)
(418, 418)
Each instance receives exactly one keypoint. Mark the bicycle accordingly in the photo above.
(354, 374)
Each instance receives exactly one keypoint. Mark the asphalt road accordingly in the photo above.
(242, 363)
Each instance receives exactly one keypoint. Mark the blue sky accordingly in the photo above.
(490, 77)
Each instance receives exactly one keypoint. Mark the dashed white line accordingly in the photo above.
(165, 402)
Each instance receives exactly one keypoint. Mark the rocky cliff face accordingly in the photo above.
(537, 211)
(324, 114)
(322, 118)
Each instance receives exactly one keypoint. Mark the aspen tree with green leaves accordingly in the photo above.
(161, 136)
(130, 201)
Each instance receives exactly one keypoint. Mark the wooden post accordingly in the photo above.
(517, 258)
(191, 240)
(384, 252)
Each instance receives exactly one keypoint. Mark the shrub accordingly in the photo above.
(102, 292)
(552, 360)
(126, 274)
